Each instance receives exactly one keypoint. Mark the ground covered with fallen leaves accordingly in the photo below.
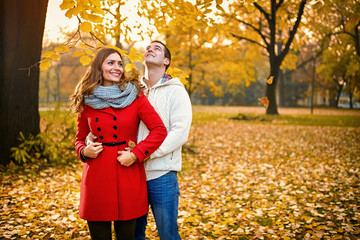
(240, 180)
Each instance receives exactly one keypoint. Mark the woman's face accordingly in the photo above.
(112, 69)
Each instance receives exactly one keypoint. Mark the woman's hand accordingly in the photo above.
(93, 150)
(90, 138)
(126, 158)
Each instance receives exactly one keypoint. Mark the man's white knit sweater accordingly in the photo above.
(171, 101)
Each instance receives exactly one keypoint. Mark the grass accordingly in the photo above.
(288, 116)
(317, 120)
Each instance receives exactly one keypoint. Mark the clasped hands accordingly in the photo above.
(93, 149)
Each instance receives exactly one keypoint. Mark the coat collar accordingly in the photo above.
(108, 110)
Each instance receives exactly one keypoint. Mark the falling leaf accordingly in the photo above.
(264, 101)
(131, 144)
(270, 80)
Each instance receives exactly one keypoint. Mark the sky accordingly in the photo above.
(56, 20)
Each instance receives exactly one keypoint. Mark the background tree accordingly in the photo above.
(270, 25)
(340, 66)
(22, 27)
(186, 29)
(336, 30)
(192, 34)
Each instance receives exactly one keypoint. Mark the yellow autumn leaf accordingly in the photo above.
(86, 27)
(83, 45)
(122, 52)
(78, 53)
(218, 7)
(95, 19)
(76, 10)
(89, 52)
(270, 80)
(84, 15)
(55, 57)
(70, 13)
(177, 73)
(62, 48)
(66, 4)
(47, 54)
(135, 55)
(95, 2)
(85, 60)
(45, 64)
(99, 10)
(129, 67)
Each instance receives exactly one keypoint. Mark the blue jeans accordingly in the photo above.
(163, 194)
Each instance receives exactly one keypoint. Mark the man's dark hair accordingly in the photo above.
(167, 53)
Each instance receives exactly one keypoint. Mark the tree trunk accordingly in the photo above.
(281, 89)
(351, 98)
(339, 90)
(271, 88)
(22, 27)
(57, 75)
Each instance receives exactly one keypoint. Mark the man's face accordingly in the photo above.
(155, 55)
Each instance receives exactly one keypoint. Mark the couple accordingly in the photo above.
(135, 129)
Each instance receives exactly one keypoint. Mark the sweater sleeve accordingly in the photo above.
(153, 122)
(180, 118)
(81, 133)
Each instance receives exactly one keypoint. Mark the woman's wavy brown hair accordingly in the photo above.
(93, 78)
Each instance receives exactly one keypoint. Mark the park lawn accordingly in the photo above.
(241, 179)
(288, 116)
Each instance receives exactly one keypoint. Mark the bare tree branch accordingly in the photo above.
(267, 16)
(293, 31)
(108, 10)
(248, 39)
(356, 38)
(29, 68)
(255, 29)
(279, 4)
(68, 42)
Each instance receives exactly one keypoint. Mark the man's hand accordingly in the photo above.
(93, 150)
(90, 138)
(126, 158)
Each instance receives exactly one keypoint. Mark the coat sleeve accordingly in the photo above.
(157, 130)
(81, 133)
(180, 118)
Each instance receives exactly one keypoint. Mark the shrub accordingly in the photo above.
(54, 144)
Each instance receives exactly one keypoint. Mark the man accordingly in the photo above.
(171, 101)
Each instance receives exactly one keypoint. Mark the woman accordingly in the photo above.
(113, 187)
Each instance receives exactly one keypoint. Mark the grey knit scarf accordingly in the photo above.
(111, 96)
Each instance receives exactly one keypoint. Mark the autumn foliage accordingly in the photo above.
(240, 180)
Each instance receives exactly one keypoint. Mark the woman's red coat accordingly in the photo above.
(110, 191)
